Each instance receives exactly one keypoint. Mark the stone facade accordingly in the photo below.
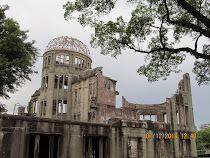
(74, 115)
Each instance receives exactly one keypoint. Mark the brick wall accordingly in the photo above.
(106, 90)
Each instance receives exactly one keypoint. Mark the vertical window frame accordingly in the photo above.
(67, 58)
(65, 82)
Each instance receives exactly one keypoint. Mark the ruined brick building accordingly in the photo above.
(74, 115)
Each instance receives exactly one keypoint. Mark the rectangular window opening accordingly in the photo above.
(59, 106)
(57, 61)
(83, 63)
(46, 61)
(56, 81)
(95, 147)
(154, 118)
(141, 117)
(66, 82)
(62, 59)
(49, 58)
(67, 59)
(34, 107)
(75, 61)
(147, 117)
(43, 145)
(46, 84)
(79, 62)
(178, 120)
(89, 116)
(165, 118)
(45, 105)
(65, 106)
(41, 111)
(61, 81)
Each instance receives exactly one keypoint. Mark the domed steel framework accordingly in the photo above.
(69, 43)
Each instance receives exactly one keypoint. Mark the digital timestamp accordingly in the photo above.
(170, 135)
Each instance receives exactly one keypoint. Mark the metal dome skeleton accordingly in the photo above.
(68, 43)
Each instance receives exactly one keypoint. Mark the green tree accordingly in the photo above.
(203, 141)
(17, 56)
(151, 20)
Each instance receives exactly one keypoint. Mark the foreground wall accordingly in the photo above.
(23, 136)
(28, 137)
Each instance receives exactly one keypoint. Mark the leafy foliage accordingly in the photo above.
(203, 136)
(203, 141)
(202, 68)
(151, 20)
(17, 56)
(2, 108)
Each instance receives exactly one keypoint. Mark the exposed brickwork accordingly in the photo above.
(106, 90)
(104, 113)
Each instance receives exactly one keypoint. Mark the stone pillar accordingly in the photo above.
(144, 146)
(70, 111)
(101, 147)
(174, 123)
(125, 146)
(117, 145)
(49, 93)
(193, 147)
(30, 108)
(76, 143)
(112, 143)
(150, 146)
(168, 112)
(190, 116)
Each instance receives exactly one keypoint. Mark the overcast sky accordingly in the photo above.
(44, 20)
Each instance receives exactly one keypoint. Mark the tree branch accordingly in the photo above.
(196, 42)
(162, 34)
(196, 54)
(188, 25)
(190, 9)
(185, 23)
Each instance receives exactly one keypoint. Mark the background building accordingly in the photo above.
(204, 126)
(74, 115)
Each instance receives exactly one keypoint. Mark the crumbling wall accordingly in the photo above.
(104, 113)
(126, 104)
(106, 91)
(118, 139)
(160, 111)
(33, 104)
(29, 136)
